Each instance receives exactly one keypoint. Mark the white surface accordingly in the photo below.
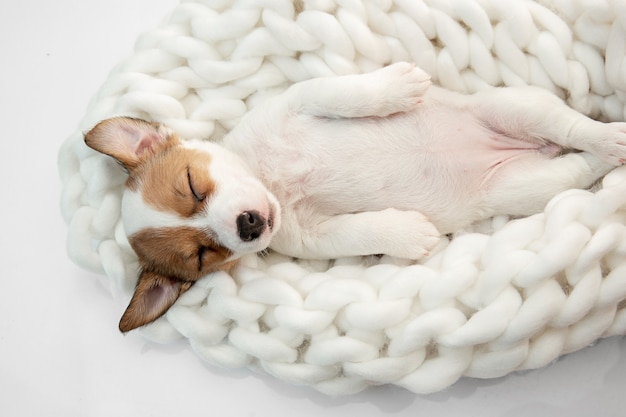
(60, 351)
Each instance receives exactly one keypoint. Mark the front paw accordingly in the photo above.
(402, 86)
(412, 235)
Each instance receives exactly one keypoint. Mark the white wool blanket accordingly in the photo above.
(505, 296)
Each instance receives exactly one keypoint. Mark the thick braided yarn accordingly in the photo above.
(507, 295)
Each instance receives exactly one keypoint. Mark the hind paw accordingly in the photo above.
(610, 143)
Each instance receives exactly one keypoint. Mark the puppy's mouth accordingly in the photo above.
(270, 218)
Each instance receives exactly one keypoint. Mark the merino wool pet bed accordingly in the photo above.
(507, 295)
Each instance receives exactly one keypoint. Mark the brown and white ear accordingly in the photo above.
(127, 139)
(153, 296)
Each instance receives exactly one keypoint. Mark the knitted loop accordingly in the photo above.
(504, 296)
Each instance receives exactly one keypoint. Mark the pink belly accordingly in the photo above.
(471, 149)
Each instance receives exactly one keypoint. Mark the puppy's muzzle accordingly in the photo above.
(251, 225)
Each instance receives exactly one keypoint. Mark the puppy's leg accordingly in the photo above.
(535, 115)
(404, 234)
(605, 140)
(393, 89)
(524, 187)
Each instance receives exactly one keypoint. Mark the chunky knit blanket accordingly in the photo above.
(506, 295)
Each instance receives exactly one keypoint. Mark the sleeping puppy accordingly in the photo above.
(377, 163)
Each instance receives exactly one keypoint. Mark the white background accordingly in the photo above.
(60, 351)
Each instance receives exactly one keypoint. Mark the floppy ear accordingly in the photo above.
(126, 139)
(153, 296)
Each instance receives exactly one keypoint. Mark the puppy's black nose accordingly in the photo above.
(250, 225)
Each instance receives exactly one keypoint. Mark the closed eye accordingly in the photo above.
(199, 197)
(203, 250)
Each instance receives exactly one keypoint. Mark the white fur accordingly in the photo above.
(382, 162)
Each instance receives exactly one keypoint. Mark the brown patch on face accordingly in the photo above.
(183, 253)
(174, 179)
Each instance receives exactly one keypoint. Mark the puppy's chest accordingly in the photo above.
(341, 163)
(425, 159)
(293, 172)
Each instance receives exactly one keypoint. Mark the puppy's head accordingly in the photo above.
(189, 208)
